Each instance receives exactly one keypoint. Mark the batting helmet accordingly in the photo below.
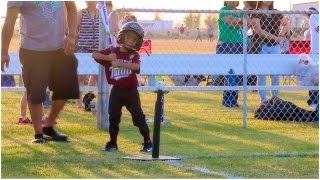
(131, 26)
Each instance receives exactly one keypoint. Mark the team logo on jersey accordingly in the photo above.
(120, 72)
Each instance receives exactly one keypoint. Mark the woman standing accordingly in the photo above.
(253, 44)
(230, 41)
(113, 21)
(268, 28)
(88, 40)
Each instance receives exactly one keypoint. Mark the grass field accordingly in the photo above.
(209, 139)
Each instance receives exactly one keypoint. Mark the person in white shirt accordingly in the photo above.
(306, 25)
(314, 31)
(313, 100)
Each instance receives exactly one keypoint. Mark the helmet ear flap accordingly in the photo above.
(139, 44)
(120, 37)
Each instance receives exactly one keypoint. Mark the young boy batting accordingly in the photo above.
(122, 64)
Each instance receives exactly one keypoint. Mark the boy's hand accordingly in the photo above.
(112, 57)
(115, 63)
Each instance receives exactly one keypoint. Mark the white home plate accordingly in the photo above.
(150, 158)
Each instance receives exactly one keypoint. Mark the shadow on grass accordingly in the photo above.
(70, 162)
(219, 136)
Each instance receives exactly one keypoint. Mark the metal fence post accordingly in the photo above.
(103, 87)
(245, 76)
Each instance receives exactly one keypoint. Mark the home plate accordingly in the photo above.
(150, 158)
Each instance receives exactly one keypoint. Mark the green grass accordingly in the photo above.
(210, 140)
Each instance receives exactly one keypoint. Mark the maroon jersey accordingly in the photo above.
(119, 76)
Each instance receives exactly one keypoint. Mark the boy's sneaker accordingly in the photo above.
(53, 135)
(24, 121)
(147, 147)
(38, 138)
(110, 147)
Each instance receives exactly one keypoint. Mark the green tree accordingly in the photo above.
(121, 14)
(210, 19)
(192, 20)
(157, 17)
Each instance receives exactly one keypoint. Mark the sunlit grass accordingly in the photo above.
(202, 132)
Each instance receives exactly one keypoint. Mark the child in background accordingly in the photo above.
(23, 110)
(230, 42)
(121, 66)
(198, 35)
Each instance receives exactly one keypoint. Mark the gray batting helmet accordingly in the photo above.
(131, 26)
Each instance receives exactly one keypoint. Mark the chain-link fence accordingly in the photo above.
(229, 97)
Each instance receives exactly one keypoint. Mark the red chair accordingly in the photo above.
(300, 47)
(146, 47)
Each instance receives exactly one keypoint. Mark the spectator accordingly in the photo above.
(268, 29)
(306, 25)
(47, 58)
(121, 67)
(285, 43)
(181, 30)
(230, 42)
(313, 100)
(210, 33)
(9, 81)
(23, 110)
(168, 34)
(198, 35)
(113, 22)
(254, 44)
(88, 42)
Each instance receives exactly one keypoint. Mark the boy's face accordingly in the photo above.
(130, 39)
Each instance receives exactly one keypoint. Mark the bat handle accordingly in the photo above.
(112, 49)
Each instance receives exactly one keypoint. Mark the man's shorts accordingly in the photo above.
(53, 69)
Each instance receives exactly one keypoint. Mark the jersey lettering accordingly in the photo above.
(120, 72)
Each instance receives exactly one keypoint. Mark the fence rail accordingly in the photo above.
(189, 50)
